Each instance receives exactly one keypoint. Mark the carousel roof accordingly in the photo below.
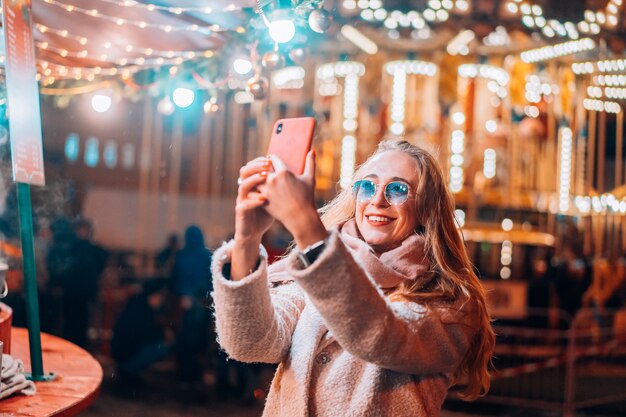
(90, 39)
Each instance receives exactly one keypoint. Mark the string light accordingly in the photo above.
(532, 16)
(351, 72)
(506, 252)
(558, 50)
(601, 106)
(489, 163)
(607, 65)
(289, 78)
(610, 80)
(140, 24)
(153, 7)
(457, 147)
(565, 169)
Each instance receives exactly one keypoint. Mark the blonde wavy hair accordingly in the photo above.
(453, 274)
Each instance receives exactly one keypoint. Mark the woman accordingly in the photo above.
(376, 312)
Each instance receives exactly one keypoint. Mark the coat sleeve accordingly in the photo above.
(254, 323)
(401, 336)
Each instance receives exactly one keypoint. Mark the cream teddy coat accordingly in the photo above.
(342, 347)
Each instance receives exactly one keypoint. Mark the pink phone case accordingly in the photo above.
(291, 141)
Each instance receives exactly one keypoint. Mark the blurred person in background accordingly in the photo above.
(191, 281)
(164, 260)
(140, 337)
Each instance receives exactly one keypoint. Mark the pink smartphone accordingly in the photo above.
(291, 141)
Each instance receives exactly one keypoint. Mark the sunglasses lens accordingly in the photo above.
(365, 190)
(396, 193)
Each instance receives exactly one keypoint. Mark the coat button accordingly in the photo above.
(323, 358)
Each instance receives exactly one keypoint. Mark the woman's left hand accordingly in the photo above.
(291, 201)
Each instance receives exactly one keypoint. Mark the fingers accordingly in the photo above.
(256, 166)
(250, 183)
(277, 163)
(309, 167)
(252, 203)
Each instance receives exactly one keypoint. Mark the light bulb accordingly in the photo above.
(183, 97)
(282, 30)
(101, 103)
(242, 66)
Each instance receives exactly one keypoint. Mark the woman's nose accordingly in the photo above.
(379, 198)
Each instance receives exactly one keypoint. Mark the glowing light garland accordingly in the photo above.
(174, 10)
(137, 23)
(565, 168)
(399, 70)
(351, 71)
(601, 106)
(558, 50)
(607, 65)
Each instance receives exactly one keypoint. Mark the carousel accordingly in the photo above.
(149, 108)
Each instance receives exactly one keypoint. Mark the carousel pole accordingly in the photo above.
(144, 172)
(591, 150)
(174, 177)
(204, 157)
(601, 151)
(619, 147)
(619, 178)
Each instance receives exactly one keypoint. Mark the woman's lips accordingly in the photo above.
(378, 221)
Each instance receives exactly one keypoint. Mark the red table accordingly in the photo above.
(77, 382)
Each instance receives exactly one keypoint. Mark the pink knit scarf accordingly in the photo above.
(406, 262)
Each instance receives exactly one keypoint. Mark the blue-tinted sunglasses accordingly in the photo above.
(396, 192)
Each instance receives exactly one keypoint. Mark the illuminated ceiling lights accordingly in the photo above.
(555, 51)
(399, 71)
(289, 78)
(613, 93)
(438, 11)
(457, 147)
(351, 72)
(610, 80)
(138, 23)
(174, 10)
(532, 17)
(607, 65)
(506, 253)
(601, 106)
(183, 97)
(499, 37)
(459, 45)
(489, 163)
(498, 76)
(359, 39)
(484, 71)
(565, 168)
(101, 102)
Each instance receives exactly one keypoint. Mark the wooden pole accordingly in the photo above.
(591, 151)
(204, 141)
(154, 183)
(601, 150)
(144, 178)
(619, 148)
(174, 177)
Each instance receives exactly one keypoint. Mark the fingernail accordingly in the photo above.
(263, 173)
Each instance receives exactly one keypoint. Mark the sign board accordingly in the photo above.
(22, 93)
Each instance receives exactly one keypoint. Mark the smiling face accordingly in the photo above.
(382, 225)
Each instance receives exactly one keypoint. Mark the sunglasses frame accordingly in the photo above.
(357, 186)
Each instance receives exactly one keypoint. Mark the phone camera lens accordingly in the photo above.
(279, 128)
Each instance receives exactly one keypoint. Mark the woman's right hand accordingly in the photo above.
(251, 219)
